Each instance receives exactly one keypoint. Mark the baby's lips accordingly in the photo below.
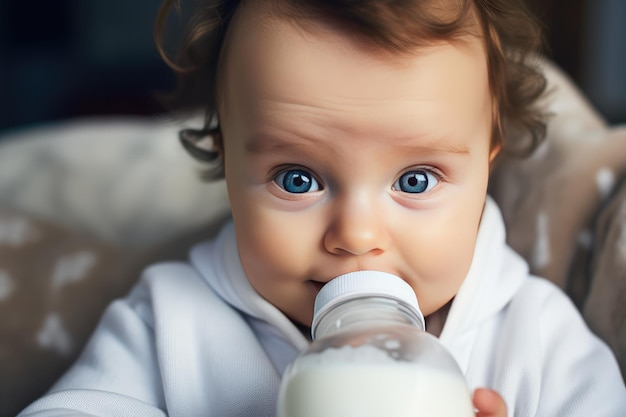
(317, 284)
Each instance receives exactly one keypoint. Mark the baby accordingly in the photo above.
(353, 135)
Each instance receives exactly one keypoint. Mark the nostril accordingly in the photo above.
(370, 251)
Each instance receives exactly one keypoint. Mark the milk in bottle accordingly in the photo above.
(370, 357)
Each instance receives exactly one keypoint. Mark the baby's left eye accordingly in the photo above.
(416, 182)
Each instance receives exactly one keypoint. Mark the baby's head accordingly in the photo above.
(359, 135)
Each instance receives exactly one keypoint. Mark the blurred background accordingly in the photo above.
(70, 58)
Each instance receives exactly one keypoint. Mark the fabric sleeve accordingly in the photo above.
(580, 375)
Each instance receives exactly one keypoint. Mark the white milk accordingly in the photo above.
(376, 390)
(370, 357)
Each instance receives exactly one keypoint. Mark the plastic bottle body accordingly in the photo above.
(371, 358)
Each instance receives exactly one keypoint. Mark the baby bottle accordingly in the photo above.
(371, 356)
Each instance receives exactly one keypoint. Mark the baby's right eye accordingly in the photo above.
(297, 181)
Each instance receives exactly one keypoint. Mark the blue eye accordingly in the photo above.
(297, 181)
(416, 182)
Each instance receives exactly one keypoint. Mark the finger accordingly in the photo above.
(489, 403)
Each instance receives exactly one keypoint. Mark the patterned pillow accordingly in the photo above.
(605, 308)
(54, 285)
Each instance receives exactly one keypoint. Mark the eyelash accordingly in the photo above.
(278, 177)
(428, 171)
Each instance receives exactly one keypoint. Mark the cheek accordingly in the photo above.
(441, 248)
(440, 259)
(278, 257)
(443, 242)
(272, 243)
(274, 246)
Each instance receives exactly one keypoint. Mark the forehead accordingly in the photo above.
(269, 58)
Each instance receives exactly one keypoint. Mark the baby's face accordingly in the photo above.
(340, 160)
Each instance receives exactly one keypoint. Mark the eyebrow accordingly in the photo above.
(265, 144)
(437, 148)
(260, 143)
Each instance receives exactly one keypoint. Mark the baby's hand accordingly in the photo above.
(489, 403)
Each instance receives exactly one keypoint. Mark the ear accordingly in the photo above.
(497, 133)
(495, 151)
(205, 145)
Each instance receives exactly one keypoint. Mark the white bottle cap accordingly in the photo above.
(363, 284)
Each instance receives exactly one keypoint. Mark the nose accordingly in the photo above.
(357, 227)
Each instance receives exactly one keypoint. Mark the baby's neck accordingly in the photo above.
(436, 320)
(305, 330)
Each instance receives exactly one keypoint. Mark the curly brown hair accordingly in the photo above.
(512, 39)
